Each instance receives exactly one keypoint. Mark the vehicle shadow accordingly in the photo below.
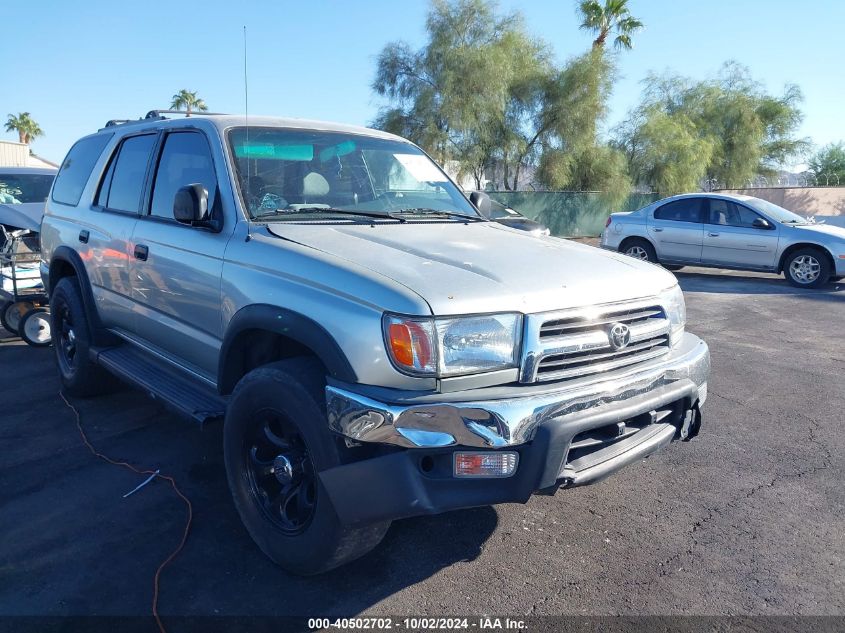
(717, 282)
(247, 583)
(74, 545)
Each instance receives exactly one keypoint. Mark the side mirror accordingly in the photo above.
(190, 206)
(481, 201)
(760, 223)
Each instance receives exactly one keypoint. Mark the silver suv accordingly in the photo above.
(377, 348)
(729, 231)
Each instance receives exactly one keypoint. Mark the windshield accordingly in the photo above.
(775, 212)
(20, 188)
(302, 174)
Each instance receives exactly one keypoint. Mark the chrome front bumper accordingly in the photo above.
(503, 417)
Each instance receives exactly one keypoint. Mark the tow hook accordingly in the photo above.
(691, 424)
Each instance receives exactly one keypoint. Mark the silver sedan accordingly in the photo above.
(729, 231)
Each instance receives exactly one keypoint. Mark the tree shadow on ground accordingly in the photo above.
(696, 280)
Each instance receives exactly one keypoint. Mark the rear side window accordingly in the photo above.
(123, 184)
(185, 160)
(685, 210)
(727, 213)
(76, 168)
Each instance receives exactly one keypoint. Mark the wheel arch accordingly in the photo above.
(261, 334)
(787, 252)
(635, 238)
(66, 262)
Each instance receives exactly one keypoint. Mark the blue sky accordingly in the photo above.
(74, 65)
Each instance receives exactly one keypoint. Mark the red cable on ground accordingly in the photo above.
(173, 485)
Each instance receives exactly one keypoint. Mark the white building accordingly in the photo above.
(14, 154)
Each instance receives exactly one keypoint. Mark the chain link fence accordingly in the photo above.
(570, 213)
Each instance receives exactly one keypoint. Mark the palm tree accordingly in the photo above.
(613, 16)
(189, 100)
(25, 126)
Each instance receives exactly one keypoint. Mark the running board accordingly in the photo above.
(163, 382)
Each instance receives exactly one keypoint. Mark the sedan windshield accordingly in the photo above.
(21, 188)
(775, 212)
(288, 174)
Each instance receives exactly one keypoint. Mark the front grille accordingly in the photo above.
(578, 343)
(571, 325)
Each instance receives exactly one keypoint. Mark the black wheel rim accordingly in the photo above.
(67, 343)
(282, 481)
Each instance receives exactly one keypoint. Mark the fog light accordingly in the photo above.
(477, 464)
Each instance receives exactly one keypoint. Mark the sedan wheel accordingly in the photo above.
(805, 269)
(637, 252)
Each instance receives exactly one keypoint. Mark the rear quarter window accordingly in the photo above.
(76, 168)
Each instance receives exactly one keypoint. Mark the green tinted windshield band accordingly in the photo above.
(273, 151)
(341, 149)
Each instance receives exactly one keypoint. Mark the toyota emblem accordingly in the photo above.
(620, 336)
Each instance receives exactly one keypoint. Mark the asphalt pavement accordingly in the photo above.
(749, 518)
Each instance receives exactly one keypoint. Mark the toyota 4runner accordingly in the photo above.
(377, 348)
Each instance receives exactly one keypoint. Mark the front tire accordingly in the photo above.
(276, 441)
(34, 328)
(71, 332)
(807, 268)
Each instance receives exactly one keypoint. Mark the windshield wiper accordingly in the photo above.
(449, 214)
(334, 211)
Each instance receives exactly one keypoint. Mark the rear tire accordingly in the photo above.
(34, 328)
(70, 328)
(11, 315)
(276, 441)
(807, 268)
(639, 249)
(672, 267)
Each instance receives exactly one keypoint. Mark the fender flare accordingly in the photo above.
(290, 324)
(66, 255)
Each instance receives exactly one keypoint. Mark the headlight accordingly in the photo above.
(453, 346)
(672, 300)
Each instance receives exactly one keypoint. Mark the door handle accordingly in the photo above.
(83, 236)
(657, 229)
(713, 234)
(141, 252)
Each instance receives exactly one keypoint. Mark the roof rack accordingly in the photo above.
(155, 115)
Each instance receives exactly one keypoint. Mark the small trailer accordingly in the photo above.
(23, 300)
(24, 308)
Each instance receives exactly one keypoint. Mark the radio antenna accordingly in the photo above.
(246, 147)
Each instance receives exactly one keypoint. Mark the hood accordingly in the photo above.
(22, 216)
(484, 267)
(826, 229)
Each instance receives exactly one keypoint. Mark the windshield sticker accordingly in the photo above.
(420, 167)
